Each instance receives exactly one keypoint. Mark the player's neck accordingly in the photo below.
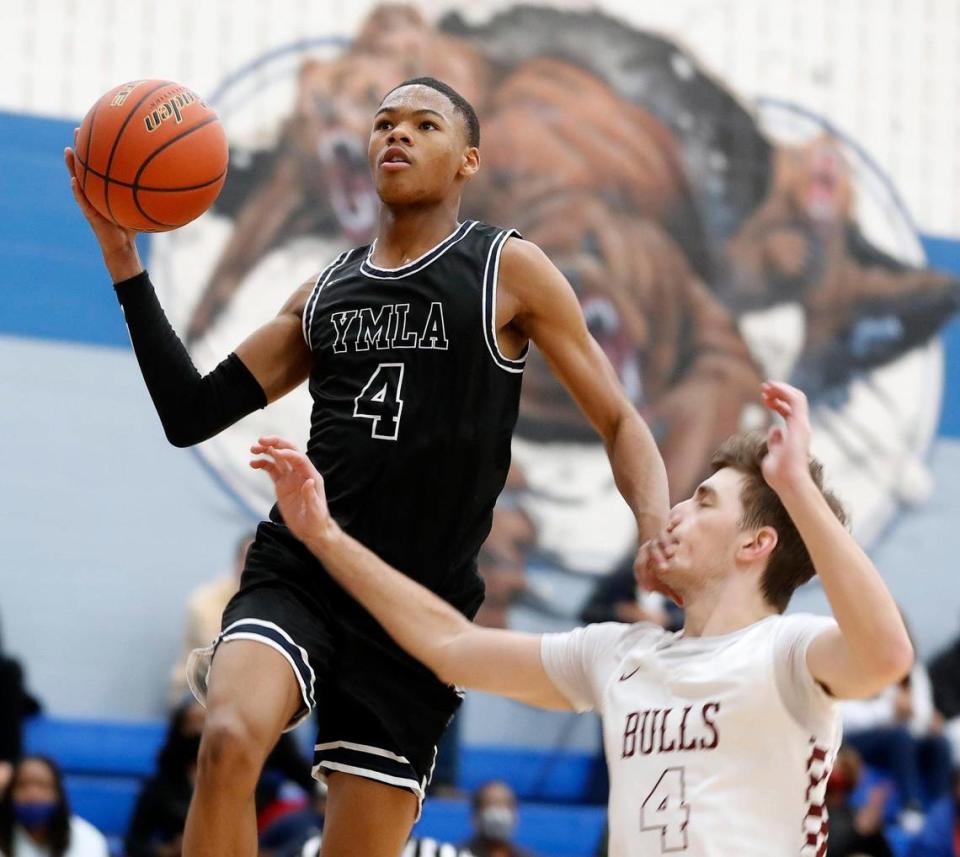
(405, 234)
(723, 608)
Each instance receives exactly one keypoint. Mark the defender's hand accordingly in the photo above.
(787, 463)
(299, 487)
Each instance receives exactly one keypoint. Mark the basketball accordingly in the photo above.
(151, 155)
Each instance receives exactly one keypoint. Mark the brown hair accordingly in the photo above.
(789, 565)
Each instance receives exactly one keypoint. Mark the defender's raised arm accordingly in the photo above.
(871, 648)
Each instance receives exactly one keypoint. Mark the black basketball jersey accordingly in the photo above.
(414, 405)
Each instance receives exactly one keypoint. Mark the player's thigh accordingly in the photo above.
(366, 818)
(252, 695)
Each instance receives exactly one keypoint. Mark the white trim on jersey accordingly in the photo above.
(308, 694)
(307, 321)
(489, 307)
(369, 269)
(361, 748)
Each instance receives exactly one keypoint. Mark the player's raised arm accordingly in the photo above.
(458, 652)
(871, 648)
(268, 364)
(546, 310)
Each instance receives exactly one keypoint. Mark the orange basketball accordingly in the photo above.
(151, 156)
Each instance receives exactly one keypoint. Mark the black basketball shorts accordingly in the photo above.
(380, 713)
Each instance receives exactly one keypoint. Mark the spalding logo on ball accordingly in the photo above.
(151, 156)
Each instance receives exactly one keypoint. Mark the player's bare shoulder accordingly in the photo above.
(522, 265)
(297, 302)
(527, 281)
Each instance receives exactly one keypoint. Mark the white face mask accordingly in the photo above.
(497, 823)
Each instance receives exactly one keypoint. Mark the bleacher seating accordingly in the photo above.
(106, 762)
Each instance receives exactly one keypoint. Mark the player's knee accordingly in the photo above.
(229, 750)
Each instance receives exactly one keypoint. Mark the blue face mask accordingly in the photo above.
(34, 815)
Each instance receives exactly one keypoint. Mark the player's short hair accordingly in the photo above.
(789, 565)
(460, 104)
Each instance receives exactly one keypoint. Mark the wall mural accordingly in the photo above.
(711, 243)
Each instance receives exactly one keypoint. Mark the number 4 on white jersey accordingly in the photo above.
(664, 809)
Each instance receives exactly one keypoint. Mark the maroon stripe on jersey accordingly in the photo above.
(816, 823)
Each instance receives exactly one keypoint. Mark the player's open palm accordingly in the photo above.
(788, 445)
(111, 237)
(298, 484)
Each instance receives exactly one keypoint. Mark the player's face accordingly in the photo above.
(704, 531)
(418, 148)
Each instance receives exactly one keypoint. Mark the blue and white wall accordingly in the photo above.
(106, 528)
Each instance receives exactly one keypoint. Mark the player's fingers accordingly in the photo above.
(278, 442)
(86, 209)
(309, 492)
(656, 556)
(781, 390)
(297, 462)
(781, 406)
(267, 465)
(282, 464)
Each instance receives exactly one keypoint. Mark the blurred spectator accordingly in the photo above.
(502, 562)
(287, 836)
(204, 611)
(35, 819)
(17, 706)
(286, 764)
(615, 599)
(945, 678)
(494, 815)
(940, 836)
(900, 732)
(156, 829)
(855, 832)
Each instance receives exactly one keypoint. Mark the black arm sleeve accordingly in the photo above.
(192, 407)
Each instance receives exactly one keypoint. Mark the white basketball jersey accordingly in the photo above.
(717, 746)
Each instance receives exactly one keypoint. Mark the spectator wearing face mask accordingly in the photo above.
(35, 819)
(494, 821)
(156, 829)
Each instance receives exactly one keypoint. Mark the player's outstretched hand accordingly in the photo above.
(651, 559)
(787, 462)
(298, 484)
(116, 243)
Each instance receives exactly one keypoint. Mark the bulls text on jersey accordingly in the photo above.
(669, 730)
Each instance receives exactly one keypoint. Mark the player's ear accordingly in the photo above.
(470, 164)
(757, 544)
